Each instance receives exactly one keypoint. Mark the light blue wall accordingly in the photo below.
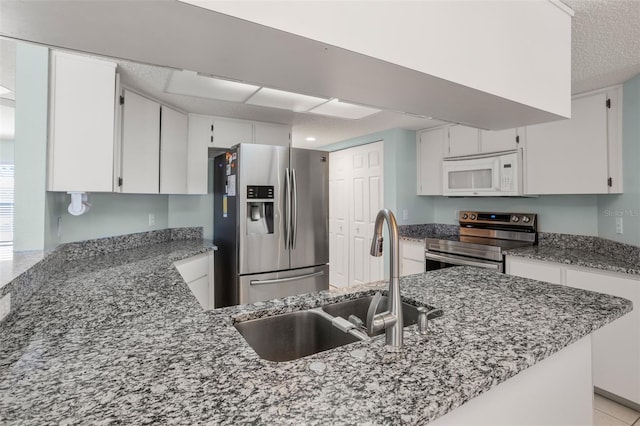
(30, 150)
(110, 215)
(399, 173)
(566, 214)
(627, 205)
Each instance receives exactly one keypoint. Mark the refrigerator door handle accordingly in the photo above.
(294, 206)
(287, 207)
(284, 280)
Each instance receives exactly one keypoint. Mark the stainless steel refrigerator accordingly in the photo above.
(271, 223)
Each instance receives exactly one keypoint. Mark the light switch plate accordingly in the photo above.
(618, 225)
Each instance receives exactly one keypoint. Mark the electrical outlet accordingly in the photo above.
(59, 226)
(618, 225)
(152, 219)
(405, 214)
(5, 306)
(456, 213)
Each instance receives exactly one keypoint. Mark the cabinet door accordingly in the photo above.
(227, 133)
(616, 346)
(81, 124)
(502, 140)
(541, 271)
(271, 134)
(411, 258)
(430, 150)
(140, 144)
(173, 152)
(199, 139)
(201, 130)
(570, 156)
(463, 140)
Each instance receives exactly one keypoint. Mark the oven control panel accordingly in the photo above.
(466, 218)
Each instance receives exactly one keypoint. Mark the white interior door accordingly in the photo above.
(338, 220)
(356, 191)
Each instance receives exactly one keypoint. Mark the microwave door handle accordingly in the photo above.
(497, 175)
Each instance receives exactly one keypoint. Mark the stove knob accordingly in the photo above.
(515, 219)
(465, 216)
(526, 219)
(473, 216)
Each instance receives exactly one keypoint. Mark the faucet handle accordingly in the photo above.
(356, 321)
(371, 313)
(423, 317)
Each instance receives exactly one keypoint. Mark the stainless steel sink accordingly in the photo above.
(292, 336)
(298, 334)
(359, 308)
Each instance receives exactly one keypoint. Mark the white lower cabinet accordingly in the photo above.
(615, 347)
(411, 258)
(197, 272)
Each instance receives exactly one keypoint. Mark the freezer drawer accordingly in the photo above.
(274, 285)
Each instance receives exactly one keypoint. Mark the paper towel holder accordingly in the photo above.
(79, 203)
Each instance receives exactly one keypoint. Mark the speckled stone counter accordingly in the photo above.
(418, 233)
(119, 338)
(586, 251)
(22, 273)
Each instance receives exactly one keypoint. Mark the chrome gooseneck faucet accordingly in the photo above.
(390, 320)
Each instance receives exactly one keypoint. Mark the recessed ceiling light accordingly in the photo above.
(310, 139)
(4, 90)
(284, 100)
(335, 108)
(192, 84)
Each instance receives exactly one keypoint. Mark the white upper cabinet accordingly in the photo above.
(81, 124)
(463, 140)
(271, 134)
(228, 132)
(173, 152)
(501, 140)
(140, 144)
(431, 147)
(200, 137)
(581, 155)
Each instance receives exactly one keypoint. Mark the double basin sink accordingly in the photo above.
(298, 334)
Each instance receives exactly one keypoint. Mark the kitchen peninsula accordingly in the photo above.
(119, 337)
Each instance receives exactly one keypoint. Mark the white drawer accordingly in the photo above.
(193, 267)
(412, 250)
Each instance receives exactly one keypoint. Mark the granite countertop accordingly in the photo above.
(120, 338)
(12, 264)
(578, 257)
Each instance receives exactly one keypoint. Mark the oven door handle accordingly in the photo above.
(461, 262)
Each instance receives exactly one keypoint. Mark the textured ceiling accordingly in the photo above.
(606, 42)
(605, 51)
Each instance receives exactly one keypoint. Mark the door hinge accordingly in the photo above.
(121, 100)
(517, 139)
(610, 182)
(609, 103)
(119, 181)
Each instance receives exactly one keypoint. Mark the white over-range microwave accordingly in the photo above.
(494, 174)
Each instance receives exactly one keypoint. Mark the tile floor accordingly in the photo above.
(610, 413)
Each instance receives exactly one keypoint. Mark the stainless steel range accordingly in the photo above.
(484, 236)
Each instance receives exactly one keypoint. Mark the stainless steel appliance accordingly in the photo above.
(271, 223)
(483, 238)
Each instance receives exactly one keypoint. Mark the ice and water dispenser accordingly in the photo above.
(260, 209)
